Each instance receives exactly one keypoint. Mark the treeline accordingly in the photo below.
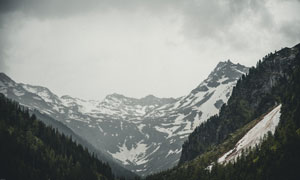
(31, 150)
(278, 156)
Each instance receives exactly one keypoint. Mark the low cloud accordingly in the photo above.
(201, 18)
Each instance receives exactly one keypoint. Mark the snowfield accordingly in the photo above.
(254, 136)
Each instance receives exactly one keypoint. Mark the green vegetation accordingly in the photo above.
(30, 150)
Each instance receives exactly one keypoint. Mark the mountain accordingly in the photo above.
(40, 102)
(145, 135)
(251, 97)
(118, 170)
(30, 150)
(256, 134)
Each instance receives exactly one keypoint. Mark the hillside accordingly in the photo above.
(30, 150)
(118, 170)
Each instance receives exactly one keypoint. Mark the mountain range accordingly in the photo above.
(144, 135)
(239, 123)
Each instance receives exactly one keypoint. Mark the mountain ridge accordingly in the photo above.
(31, 150)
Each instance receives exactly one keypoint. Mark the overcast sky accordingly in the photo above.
(91, 48)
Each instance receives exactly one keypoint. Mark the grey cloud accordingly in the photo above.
(206, 18)
(58, 8)
(8, 5)
(3, 65)
(201, 19)
(214, 18)
(291, 30)
(44, 8)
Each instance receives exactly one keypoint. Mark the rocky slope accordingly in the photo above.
(145, 135)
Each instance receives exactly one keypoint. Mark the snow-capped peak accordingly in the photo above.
(121, 106)
(224, 72)
(43, 92)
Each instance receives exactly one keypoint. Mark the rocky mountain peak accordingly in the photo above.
(225, 72)
(115, 95)
(6, 80)
(66, 97)
(150, 96)
(227, 69)
(153, 100)
(149, 100)
(116, 100)
(41, 91)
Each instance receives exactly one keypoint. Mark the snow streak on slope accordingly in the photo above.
(131, 155)
(254, 136)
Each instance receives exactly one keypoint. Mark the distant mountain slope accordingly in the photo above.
(219, 142)
(118, 170)
(42, 99)
(144, 134)
(30, 150)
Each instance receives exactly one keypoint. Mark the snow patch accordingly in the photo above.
(132, 155)
(18, 93)
(254, 136)
(176, 151)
